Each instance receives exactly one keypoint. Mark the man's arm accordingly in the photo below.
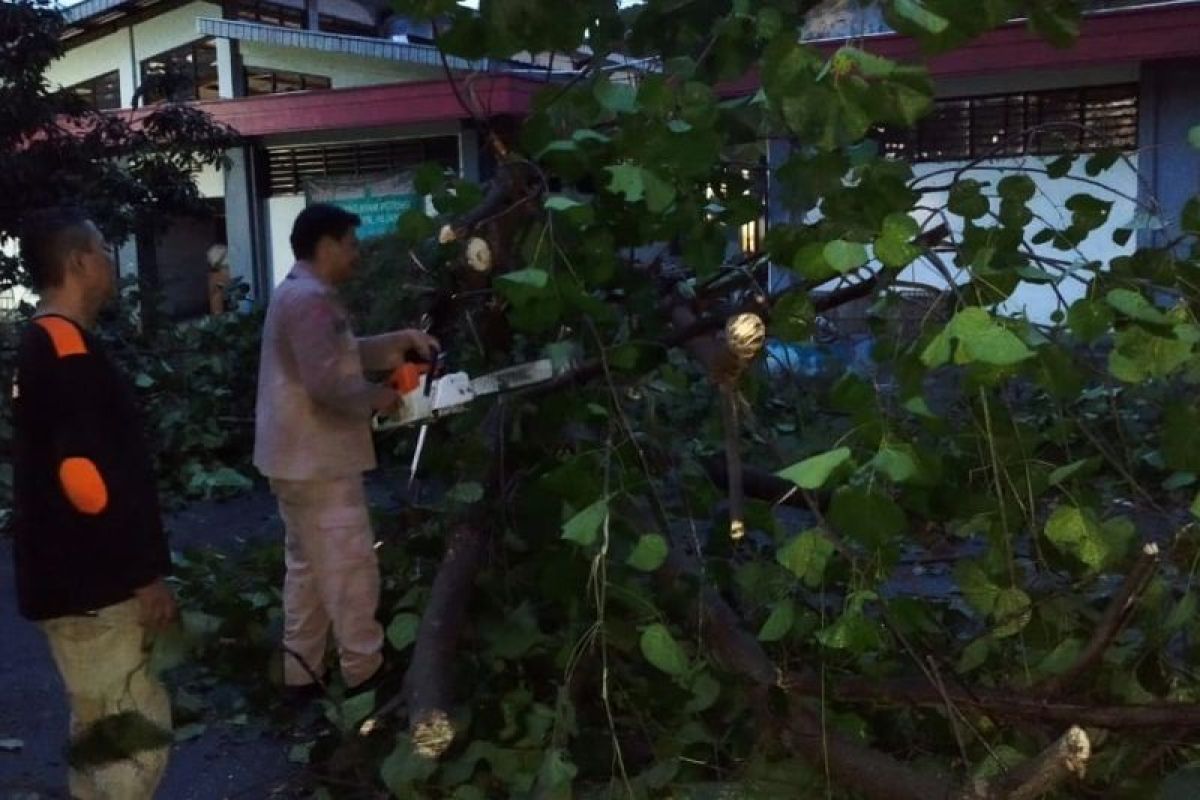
(310, 325)
(388, 351)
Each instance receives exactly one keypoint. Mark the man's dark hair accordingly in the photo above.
(318, 221)
(48, 237)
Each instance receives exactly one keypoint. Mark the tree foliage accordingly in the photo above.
(966, 571)
(130, 170)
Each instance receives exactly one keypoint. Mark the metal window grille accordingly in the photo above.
(288, 168)
(102, 93)
(271, 81)
(1084, 119)
(194, 63)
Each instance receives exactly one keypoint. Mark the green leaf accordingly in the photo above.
(659, 193)
(967, 200)
(1062, 657)
(560, 202)
(532, 277)
(1132, 304)
(1012, 613)
(649, 554)
(852, 631)
(1057, 22)
(627, 181)
(619, 98)
(845, 256)
(779, 623)
(1195, 507)
(1069, 471)
(897, 461)
(792, 317)
(404, 767)
(1190, 219)
(355, 709)
(894, 247)
(1089, 320)
(1140, 355)
(402, 631)
(869, 516)
(465, 493)
(556, 775)
(980, 339)
(660, 649)
(813, 472)
(806, 557)
(1060, 167)
(1182, 614)
(1077, 532)
(583, 527)
(1020, 188)
(915, 12)
(705, 692)
(116, 737)
(975, 654)
(977, 587)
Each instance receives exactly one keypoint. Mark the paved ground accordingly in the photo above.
(225, 762)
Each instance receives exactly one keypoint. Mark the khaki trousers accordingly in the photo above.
(104, 660)
(332, 580)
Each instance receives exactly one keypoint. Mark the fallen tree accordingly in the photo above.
(694, 566)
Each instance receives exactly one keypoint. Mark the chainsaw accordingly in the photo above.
(426, 394)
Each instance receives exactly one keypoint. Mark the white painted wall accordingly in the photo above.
(1038, 302)
(211, 182)
(344, 71)
(281, 213)
(126, 48)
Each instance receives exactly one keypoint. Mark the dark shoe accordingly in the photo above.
(381, 680)
(299, 697)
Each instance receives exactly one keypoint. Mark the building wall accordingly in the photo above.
(1170, 107)
(211, 182)
(1121, 185)
(124, 49)
(1038, 302)
(344, 71)
(281, 212)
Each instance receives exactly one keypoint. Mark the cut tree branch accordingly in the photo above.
(1120, 608)
(1004, 703)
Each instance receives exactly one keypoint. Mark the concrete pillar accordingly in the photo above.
(1168, 165)
(312, 19)
(230, 78)
(243, 224)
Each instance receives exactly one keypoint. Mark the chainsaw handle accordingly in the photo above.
(407, 376)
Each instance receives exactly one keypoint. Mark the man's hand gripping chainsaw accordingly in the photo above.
(427, 394)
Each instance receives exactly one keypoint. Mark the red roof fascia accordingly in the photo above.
(370, 106)
(1120, 37)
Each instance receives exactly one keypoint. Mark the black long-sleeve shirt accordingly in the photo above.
(88, 528)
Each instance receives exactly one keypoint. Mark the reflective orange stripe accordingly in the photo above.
(83, 485)
(67, 339)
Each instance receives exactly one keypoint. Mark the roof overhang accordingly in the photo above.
(363, 46)
(394, 104)
(1121, 36)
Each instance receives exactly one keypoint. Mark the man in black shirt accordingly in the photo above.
(89, 551)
